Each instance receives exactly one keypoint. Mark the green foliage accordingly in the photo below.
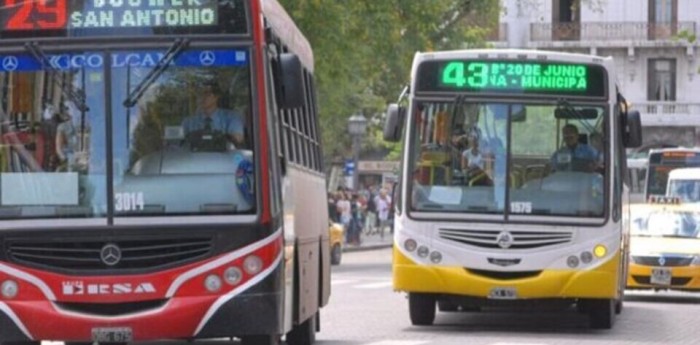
(364, 49)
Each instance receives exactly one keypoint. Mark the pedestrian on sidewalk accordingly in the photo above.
(383, 204)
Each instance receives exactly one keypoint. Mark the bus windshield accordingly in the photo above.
(183, 148)
(460, 161)
(662, 162)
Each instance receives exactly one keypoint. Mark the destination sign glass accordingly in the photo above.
(487, 76)
(85, 18)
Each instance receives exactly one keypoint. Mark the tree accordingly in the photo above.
(364, 48)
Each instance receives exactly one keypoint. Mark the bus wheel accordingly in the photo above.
(601, 313)
(618, 306)
(336, 254)
(266, 339)
(304, 333)
(421, 307)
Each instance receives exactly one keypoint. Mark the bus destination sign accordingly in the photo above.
(512, 77)
(44, 18)
(56, 14)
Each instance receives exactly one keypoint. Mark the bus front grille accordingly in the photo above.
(111, 309)
(500, 275)
(90, 254)
(493, 239)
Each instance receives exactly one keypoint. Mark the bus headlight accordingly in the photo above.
(423, 251)
(436, 257)
(599, 251)
(410, 244)
(9, 289)
(572, 261)
(252, 264)
(212, 283)
(233, 275)
(586, 257)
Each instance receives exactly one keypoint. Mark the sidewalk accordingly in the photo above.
(371, 242)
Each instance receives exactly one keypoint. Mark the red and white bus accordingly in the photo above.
(155, 160)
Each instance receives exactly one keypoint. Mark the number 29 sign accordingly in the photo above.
(30, 15)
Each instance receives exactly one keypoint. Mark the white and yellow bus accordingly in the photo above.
(512, 188)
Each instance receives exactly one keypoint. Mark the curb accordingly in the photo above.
(361, 248)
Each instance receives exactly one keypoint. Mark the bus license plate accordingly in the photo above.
(661, 276)
(503, 293)
(112, 335)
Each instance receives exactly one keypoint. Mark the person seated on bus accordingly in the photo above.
(574, 156)
(473, 163)
(212, 123)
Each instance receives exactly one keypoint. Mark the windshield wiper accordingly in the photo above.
(175, 49)
(78, 98)
(564, 104)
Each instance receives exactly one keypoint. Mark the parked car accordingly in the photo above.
(336, 234)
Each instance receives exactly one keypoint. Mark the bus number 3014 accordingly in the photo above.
(125, 202)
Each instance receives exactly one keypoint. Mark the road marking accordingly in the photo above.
(501, 343)
(374, 285)
(342, 281)
(399, 342)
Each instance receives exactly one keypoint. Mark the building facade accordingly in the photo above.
(652, 42)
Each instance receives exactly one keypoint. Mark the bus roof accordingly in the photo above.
(290, 34)
(685, 174)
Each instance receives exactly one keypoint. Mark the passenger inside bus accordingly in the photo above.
(213, 128)
(574, 156)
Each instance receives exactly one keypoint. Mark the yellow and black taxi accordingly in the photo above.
(336, 234)
(665, 246)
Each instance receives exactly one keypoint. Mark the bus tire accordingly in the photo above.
(421, 307)
(266, 339)
(618, 306)
(336, 254)
(601, 313)
(303, 333)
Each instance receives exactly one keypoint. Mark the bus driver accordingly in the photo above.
(209, 117)
(574, 156)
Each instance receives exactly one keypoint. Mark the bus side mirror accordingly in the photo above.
(394, 122)
(632, 135)
(292, 82)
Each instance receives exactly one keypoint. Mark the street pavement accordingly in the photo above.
(370, 242)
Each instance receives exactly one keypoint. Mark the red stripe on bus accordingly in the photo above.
(259, 41)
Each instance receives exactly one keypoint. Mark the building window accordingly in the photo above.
(566, 23)
(662, 80)
(663, 19)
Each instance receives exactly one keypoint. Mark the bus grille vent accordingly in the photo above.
(504, 275)
(675, 281)
(111, 309)
(86, 255)
(518, 239)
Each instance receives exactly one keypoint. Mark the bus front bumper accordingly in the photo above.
(600, 282)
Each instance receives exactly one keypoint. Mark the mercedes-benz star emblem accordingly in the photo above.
(110, 254)
(207, 58)
(662, 261)
(10, 63)
(504, 240)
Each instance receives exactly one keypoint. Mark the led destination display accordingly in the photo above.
(21, 18)
(512, 77)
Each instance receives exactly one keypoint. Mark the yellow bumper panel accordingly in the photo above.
(686, 277)
(600, 282)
